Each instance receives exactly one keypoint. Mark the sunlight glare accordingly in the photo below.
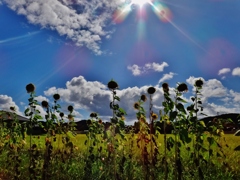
(140, 2)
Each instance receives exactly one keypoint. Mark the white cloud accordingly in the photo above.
(235, 95)
(6, 102)
(212, 109)
(166, 77)
(41, 98)
(81, 21)
(139, 70)
(213, 94)
(94, 96)
(90, 95)
(211, 88)
(156, 66)
(136, 70)
(236, 71)
(224, 71)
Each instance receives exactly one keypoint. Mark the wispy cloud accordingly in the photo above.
(236, 71)
(139, 70)
(19, 37)
(166, 77)
(224, 71)
(82, 21)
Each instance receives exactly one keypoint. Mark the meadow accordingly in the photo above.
(194, 150)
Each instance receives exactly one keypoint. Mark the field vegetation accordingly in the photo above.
(194, 150)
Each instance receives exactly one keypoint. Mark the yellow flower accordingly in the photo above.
(154, 116)
(136, 105)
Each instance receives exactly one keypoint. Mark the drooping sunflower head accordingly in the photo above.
(136, 105)
(144, 98)
(154, 116)
(12, 108)
(165, 87)
(182, 87)
(70, 117)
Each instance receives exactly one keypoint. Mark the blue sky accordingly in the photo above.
(74, 47)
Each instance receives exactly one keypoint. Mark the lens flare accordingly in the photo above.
(162, 12)
(140, 2)
(121, 13)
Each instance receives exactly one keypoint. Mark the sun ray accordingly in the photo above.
(164, 14)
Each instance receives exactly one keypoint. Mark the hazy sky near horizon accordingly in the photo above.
(75, 47)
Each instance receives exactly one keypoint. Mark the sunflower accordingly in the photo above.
(45, 104)
(112, 85)
(151, 90)
(123, 118)
(89, 122)
(12, 108)
(182, 87)
(100, 121)
(93, 115)
(144, 98)
(61, 114)
(199, 83)
(70, 108)
(165, 87)
(154, 116)
(56, 96)
(70, 117)
(136, 105)
(30, 88)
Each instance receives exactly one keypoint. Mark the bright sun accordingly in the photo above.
(140, 2)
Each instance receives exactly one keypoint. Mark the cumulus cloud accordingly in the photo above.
(211, 88)
(136, 70)
(216, 98)
(94, 96)
(212, 109)
(89, 95)
(6, 102)
(224, 71)
(236, 71)
(166, 77)
(82, 21)
(139, 70)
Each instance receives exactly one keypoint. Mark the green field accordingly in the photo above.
(71, 164)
